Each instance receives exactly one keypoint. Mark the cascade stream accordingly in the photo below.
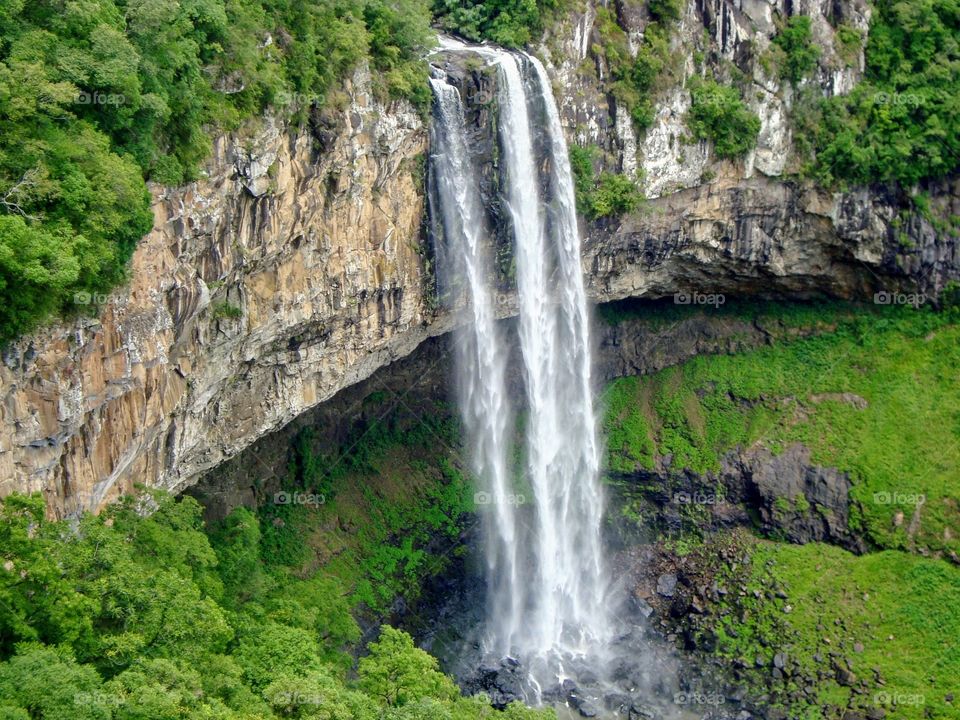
(545, 573)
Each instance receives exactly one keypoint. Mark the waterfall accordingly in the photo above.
(546, 578)
(480, 348)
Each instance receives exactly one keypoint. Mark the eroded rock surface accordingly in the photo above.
(295, 268)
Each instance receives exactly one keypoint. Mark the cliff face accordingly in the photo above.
(300, 265)
(729, 40)
(294, 269)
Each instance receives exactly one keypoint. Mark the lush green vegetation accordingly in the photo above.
(903, 444)
(97, 96)
(718, 114)
(513, 23)
(899, 122)
(601, 195)
(395, 492)
(799, 54)
(634, 81)
(146, 617)
(883, 612)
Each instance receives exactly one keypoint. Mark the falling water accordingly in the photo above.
(546, 575)
(481, 358)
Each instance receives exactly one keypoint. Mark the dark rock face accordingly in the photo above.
(786, 494)
(769, 238)
(823, 493)
(502, 681)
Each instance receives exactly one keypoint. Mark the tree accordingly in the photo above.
(48, 683)
(269, 649)
(318, 695)
(397, 672)
(237, 544)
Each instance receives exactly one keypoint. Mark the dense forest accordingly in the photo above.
(127, 616)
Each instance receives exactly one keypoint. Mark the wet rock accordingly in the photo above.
(667, 584)
(643, 607)
(617, 702)
(587, 709)
(639, 711)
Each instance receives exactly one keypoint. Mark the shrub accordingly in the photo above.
(800, 54)
(615, 195)
(718, 114)
(604, 195)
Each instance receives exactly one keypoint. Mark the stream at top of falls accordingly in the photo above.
(551, 627)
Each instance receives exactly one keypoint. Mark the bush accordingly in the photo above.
(615, 195)
(718, 114)
(800, 55)
(665, 10)
(606, 195)
(898, 124)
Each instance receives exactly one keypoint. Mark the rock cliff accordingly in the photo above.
(295, 268)
(300, 263)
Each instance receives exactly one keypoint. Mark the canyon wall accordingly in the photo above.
(301, 263)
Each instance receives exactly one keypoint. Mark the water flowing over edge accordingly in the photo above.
(546, 578)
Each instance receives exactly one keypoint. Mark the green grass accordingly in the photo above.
(905, 364)
(896, 605)
(393, 493)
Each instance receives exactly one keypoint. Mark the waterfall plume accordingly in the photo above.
(546, 579)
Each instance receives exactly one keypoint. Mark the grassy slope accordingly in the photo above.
(904, 363)
(899, 607)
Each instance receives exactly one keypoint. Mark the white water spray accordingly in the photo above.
(546, 580)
